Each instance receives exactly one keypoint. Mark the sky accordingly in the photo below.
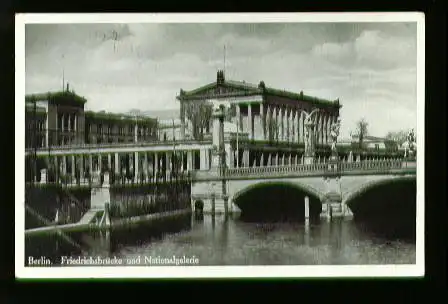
(370, 67)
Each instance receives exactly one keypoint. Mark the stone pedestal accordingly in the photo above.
(43, 176)
(308, 160)
(100, 194)
(333, 162)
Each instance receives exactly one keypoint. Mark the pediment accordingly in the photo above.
(216, 90)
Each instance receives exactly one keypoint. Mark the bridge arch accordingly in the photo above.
(350, 198)
(277, 199)
(386, 207)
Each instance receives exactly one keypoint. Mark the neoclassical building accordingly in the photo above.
(268, 123)
(61, 120)
(262, 112)
(58, 120)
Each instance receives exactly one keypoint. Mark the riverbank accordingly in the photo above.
(115, 223)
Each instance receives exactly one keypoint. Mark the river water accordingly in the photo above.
(232, 241)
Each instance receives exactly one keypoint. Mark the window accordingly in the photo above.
(377, 146)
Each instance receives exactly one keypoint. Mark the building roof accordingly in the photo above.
(59, 96)
(117, 116)
(372, 138)
(227, 88)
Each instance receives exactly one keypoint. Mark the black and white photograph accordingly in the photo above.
(197, 145)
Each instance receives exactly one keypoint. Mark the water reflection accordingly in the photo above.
(221, 240)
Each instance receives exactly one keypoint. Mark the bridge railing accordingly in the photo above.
(154, 143)
(370, 165)
(276, 170)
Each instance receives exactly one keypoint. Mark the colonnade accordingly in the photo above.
(131, 167)
(67, 135)
(281, 123)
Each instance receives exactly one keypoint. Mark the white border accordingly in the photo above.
(215, 271)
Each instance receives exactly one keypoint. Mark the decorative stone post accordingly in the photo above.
(218, 151)
(43, 176)
(218, 165)
(334, 158)
(310, 139)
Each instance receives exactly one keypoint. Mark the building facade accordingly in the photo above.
(59, 119)
(263, 113)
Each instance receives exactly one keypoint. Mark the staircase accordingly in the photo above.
(99, 195)
(89, 216)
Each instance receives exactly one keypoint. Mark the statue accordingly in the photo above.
(410, 145)
(334, 134)
(309, 132)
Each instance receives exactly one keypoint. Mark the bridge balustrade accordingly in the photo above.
(368, 165)
(117, 145)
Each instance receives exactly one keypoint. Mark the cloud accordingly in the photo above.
(370, 67)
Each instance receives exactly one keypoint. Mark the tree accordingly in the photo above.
(199, 113)
(361, 131)
(397, 136)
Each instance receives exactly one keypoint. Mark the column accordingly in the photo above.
(145, 165)
(229, 156)
(268, 122)
(328, 127)
(109, 163)
(238, 118)
(296, 126)
(136, 167)
(322, 119)
(75, 128)
(250, 122)
(302, 127)
(100, 163)
(90, 165)
(189, 167)
(64, 164)
(275, 123)
(156, 164)
(292, 132)
(62, 130)
(81, 169)
(73, 168)
(69, 134)
(182, 157)
(263, 121)
(136, 133)
(117, 164)
(324, 127)
(285, 123)
(281, 125)
(289, 124)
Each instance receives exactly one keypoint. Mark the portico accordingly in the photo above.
(263, 113)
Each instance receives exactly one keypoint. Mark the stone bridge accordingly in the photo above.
(334, 186)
